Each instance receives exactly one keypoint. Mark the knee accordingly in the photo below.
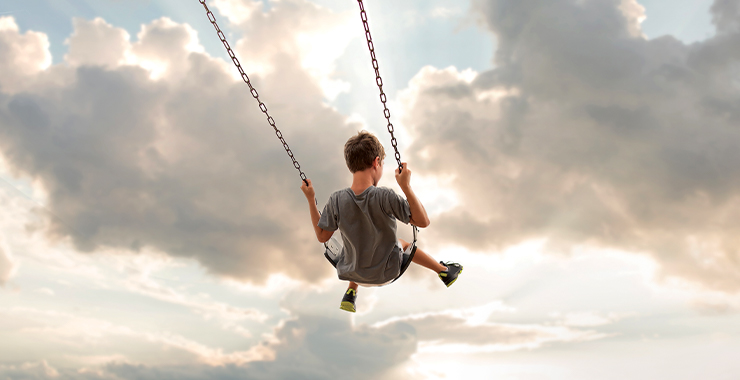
(404, 244)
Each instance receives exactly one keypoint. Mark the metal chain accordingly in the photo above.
(252, 90)
(379, 82)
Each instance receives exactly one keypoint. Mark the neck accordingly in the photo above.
(361, 181)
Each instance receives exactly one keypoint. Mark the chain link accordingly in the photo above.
(252, 90)
(379, 81)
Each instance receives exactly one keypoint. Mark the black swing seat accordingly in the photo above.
(333, 248)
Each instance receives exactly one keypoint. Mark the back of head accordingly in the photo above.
(360, 151)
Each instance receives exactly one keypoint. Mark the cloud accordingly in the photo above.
(313, 36)
(155, 144)
(443, 12)
(29, 371)
(320, 347)
(24, 56)
(588, 133)
(141, 279)
(634, 12)
(726, 16)
(591, 318)
(8, 266)
(473, 331)
(64, 334)
(313, 347)
(96, 43)
(46, 291)
(237, 12)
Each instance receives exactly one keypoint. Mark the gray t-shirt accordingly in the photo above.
(371, 254)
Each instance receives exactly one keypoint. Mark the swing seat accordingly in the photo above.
(333, 248)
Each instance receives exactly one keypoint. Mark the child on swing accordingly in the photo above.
(366, 215)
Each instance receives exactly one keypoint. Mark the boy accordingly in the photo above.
(366, 215)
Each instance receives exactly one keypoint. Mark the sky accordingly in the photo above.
(577, 157)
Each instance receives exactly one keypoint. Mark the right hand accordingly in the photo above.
(403, 177)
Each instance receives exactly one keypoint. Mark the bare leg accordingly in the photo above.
(353, 285)
(423, 259)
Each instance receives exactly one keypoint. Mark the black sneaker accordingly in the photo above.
(450, 275)
(348, 301)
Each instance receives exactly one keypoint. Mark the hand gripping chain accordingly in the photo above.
(252, 90)
(379, 82)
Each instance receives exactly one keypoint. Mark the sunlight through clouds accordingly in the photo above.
(74, 332)
(152, 226)
(468, 331)
(294, 29)
(7, 265)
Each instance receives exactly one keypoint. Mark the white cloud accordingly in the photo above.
(143, 274)
(97, 43)
(168, 150)
(166, 175)
(237, 12)
(634, 12)
(472, 330)
(72, 332)
(590, 318)
(46, 291)
(29, 370)
(164, 48)
(587, 133)
(292, 30)
(21, 222)
(8, 266)
(24, 56)
(141, 279)
(317, 346)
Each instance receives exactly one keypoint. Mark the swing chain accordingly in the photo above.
(379, 82)
(252, 90)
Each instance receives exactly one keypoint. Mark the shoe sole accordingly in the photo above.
(347, 306)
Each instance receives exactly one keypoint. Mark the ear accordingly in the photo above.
(377, 161)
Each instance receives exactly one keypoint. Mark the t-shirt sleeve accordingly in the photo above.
(396, 206)
(329, 220)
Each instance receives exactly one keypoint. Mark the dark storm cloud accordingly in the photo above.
(726, 15)
(586, 132)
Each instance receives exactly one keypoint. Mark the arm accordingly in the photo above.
(322, 235)
(419, 215)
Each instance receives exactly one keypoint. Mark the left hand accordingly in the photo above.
(308, 190)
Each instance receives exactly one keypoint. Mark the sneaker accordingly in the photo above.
(450, 275)
(348, 301)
